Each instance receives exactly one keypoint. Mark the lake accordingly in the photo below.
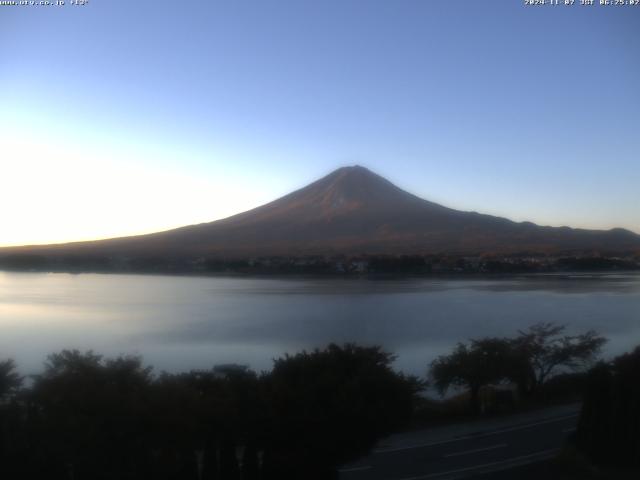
(183, 322)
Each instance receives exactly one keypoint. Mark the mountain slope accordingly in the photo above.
(353, 211)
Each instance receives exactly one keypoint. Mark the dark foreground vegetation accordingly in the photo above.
(86, 417)
(89, 417)
(609, 427)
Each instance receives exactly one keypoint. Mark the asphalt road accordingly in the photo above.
(458, 453)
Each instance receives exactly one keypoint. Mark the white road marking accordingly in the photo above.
(523, 460)
(467, 452)
(473, 436)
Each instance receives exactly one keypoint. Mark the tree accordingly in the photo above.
(609, 425)
(547, 351)
(481, 362)
(12, 433)
(330, 406)
(10, 381)
(528, 360)
(207, 414)
(89, 416)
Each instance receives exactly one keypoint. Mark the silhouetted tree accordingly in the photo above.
(12, 432)
(529, 360)
(89, 416)
(10, 381)
(609, 425)
(481, 362)
(330, 406)
(205, 415)
(548, 351)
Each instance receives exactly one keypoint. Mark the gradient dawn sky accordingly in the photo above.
(123, 117)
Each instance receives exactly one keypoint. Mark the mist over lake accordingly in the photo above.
(186, 322)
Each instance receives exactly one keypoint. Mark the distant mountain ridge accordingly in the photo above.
(350, 211)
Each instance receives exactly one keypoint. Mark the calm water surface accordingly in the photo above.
(179, 323)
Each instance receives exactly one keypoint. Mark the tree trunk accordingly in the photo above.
(475, 398)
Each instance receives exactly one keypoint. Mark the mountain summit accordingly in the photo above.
(352, 211)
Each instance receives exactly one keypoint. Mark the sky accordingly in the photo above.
(120, 117)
